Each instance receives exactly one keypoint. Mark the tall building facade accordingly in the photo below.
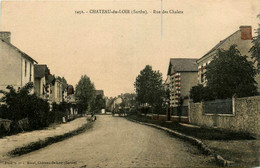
(182, 73)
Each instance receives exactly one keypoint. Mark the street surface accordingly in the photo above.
(115, 142)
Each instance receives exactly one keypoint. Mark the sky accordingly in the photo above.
(112, 49)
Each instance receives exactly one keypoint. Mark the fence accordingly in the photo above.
(218, 107)
(183, 111)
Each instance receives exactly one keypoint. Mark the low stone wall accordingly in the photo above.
(156, 116)
(245, 117)
(164, 118)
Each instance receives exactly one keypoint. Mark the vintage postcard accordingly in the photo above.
(129, 83)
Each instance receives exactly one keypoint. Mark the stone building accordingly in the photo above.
(16, 67)
(242, 38)
(182, 75)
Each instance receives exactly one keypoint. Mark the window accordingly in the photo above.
(25, 68)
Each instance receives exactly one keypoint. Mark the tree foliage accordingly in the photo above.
(63, 80)
(196, 93)
(21, 104)
(128, 99)
(255, 49)
(109, 105)
(85, 93)
(199, 93)
(99, 103)
(228, 74)
(231, 73)
(149, 87)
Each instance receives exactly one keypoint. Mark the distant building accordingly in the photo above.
(116, 104)
(68, 93)
(182, 75)
(43, 81)
(242, 38)
(56, 91)
(16, 67)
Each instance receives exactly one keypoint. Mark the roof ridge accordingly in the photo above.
(20, 51)
(218, 44)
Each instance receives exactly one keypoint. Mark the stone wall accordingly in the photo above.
(161, 117)
(245, 117)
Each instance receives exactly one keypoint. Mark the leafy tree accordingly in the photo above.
(62, 79)
(110, 102)
(149, 88)
(128, 99)
(255, 49)
(196, 93)
(85, 93)
(199, 93)
(21, 104)
(231, 73)
(99, 103)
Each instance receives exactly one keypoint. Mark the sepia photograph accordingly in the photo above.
(129, 83)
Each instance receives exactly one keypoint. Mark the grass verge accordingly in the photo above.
(202, 133)
(239, 148)
(48, 141)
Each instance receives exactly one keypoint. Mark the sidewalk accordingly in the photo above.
(10, 143)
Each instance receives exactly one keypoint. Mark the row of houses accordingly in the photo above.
(184, 73)
(17, 69)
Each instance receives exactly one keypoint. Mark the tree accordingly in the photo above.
(255, 49)
(149, 88)
(99, 103)
(128, 99)
(85, 93)
(196, 93)
(63, 80)
(199, 93)
(21, 104)
(231, 73)
(110, 102)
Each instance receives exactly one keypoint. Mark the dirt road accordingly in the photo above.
(115, 142)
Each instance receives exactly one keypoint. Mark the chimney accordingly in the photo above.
(6, 36)
(246, 32)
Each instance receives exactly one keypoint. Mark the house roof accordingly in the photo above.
(18, 50)
(183, 65)
(40, 71)
(218, 45)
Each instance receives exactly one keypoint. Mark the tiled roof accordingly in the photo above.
(17, 49)
(183, 65)
(40, 71)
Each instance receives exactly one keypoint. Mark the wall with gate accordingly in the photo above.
(244, 116)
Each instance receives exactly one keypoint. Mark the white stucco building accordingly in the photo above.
(16, 67)
(242, 38)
